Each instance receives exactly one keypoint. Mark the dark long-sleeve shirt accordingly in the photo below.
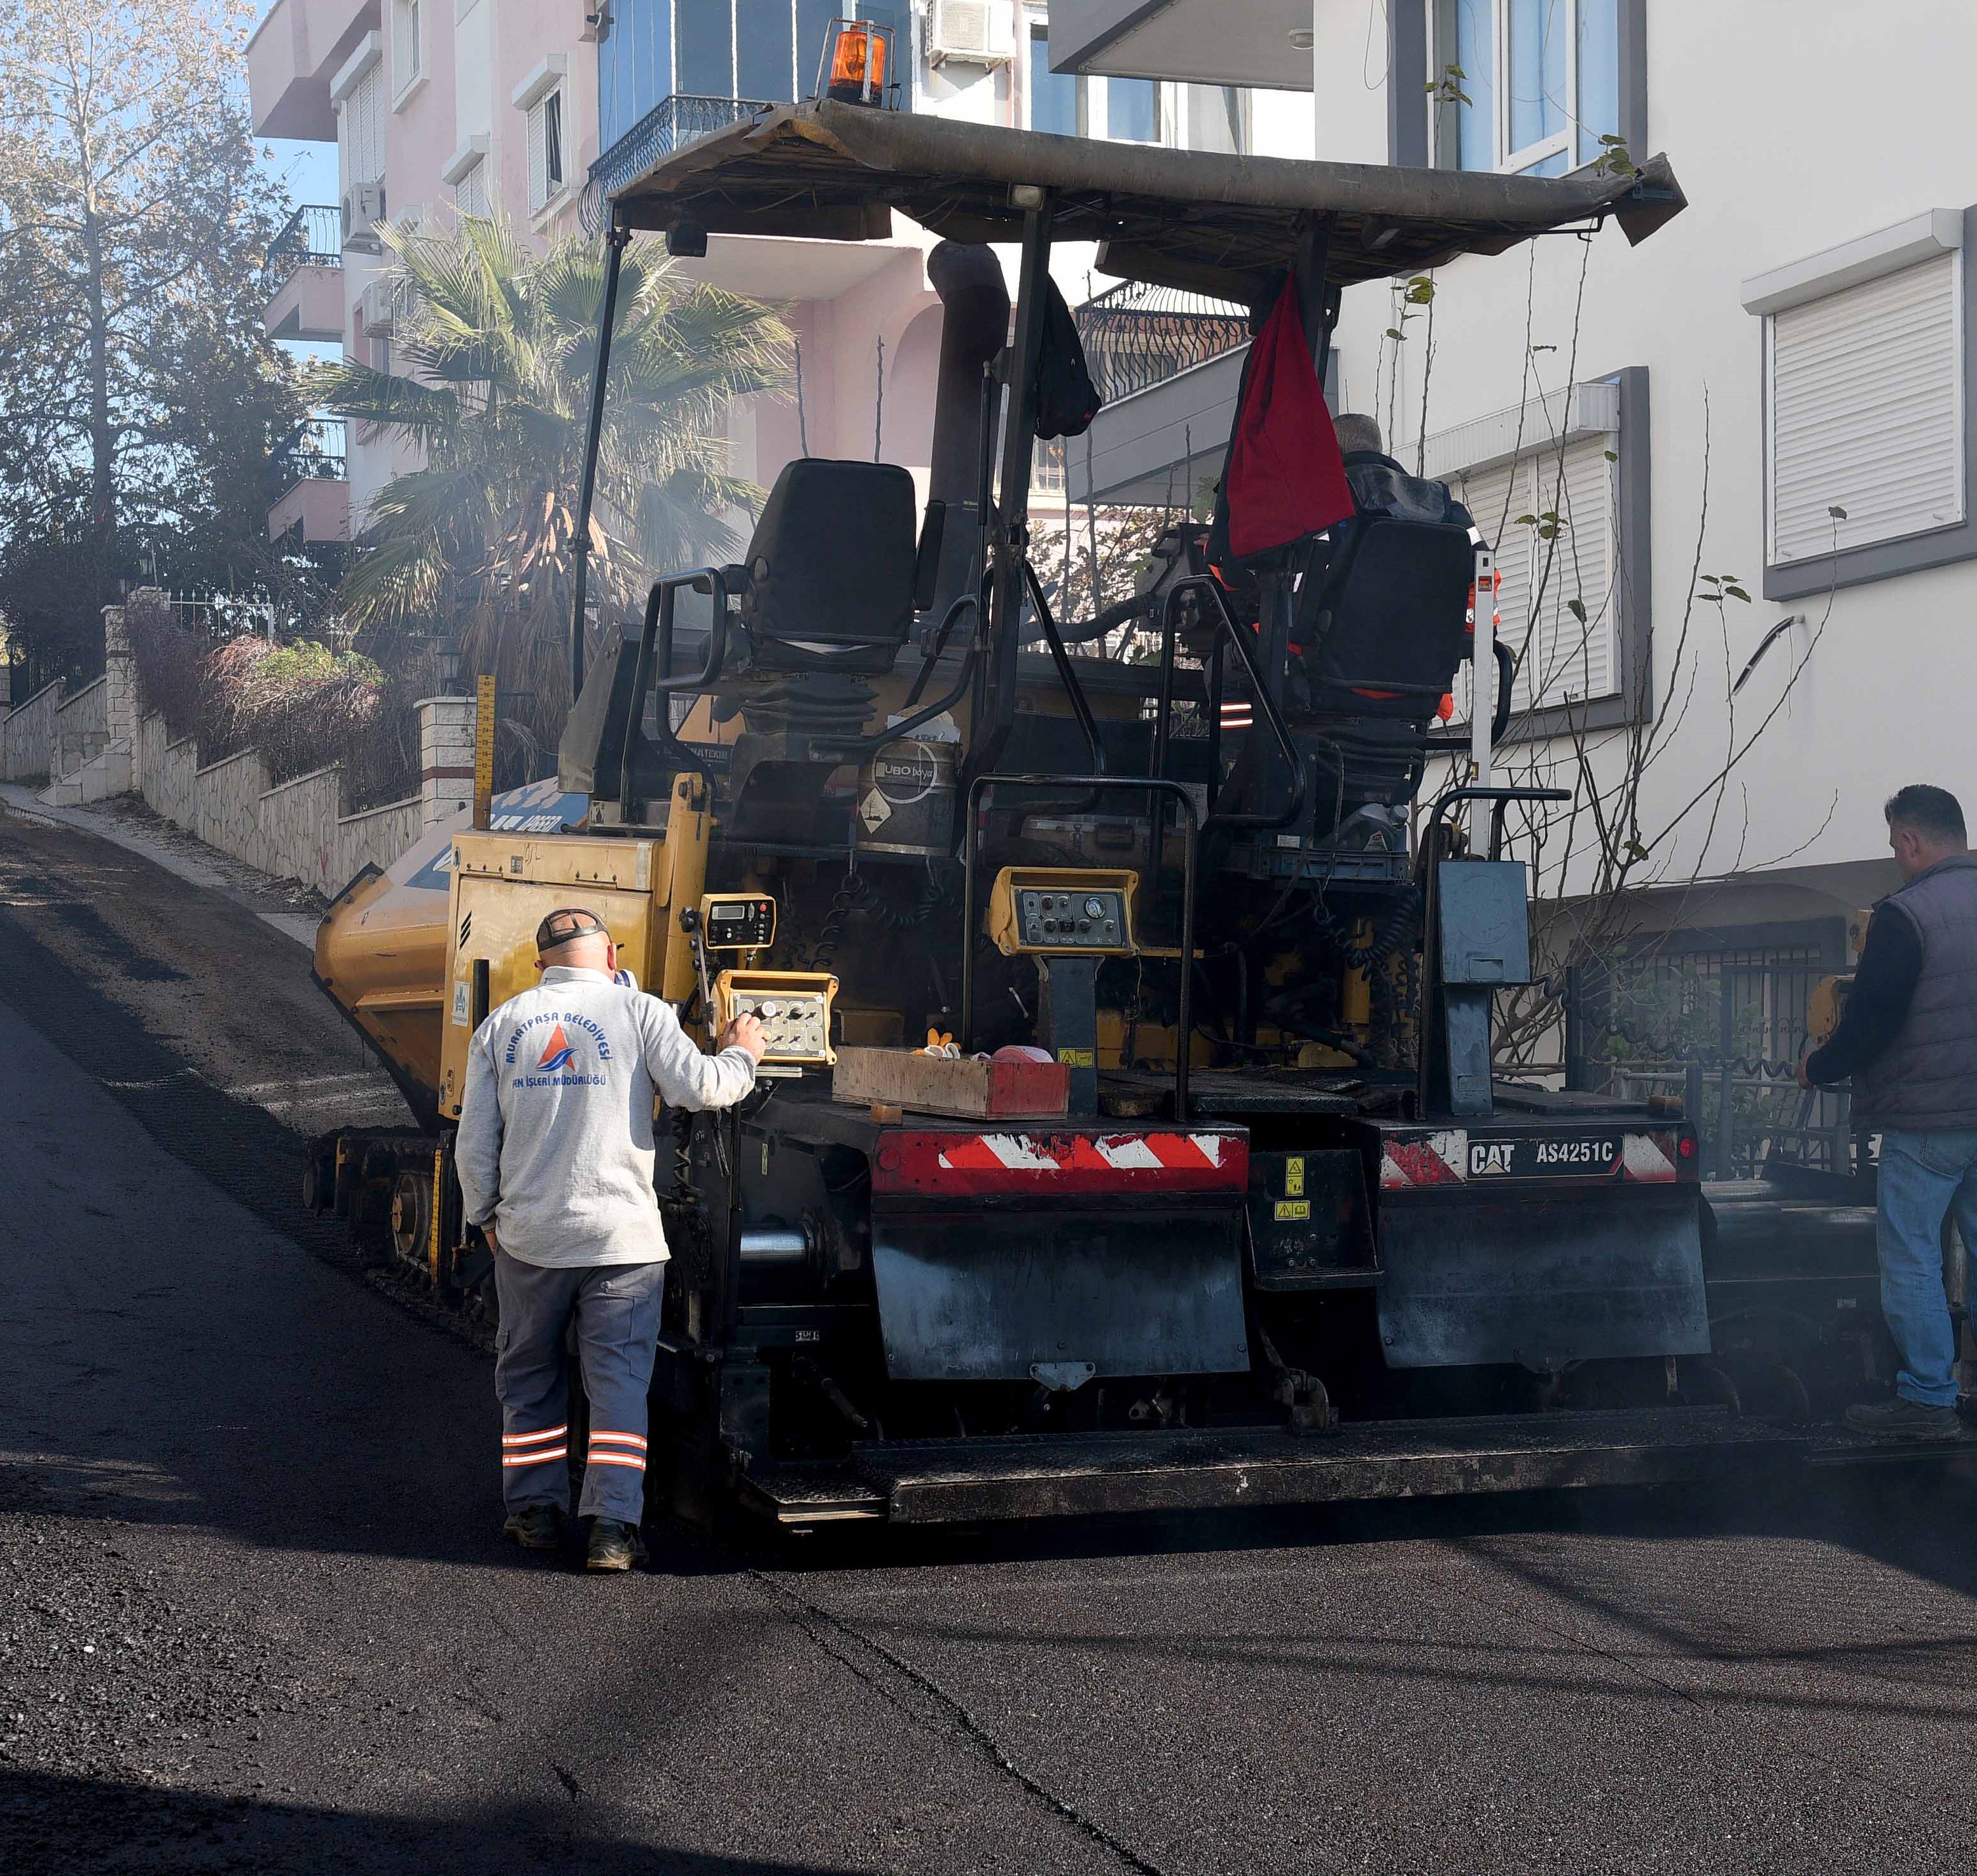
(1883, 982)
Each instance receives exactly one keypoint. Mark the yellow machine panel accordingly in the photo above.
(1087, 909)
(793, 1007)
(503, 884)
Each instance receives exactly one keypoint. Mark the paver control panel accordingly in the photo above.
(1052, 921)
(1063, 909)
(793, 1006)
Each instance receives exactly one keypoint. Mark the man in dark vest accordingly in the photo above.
(1908, 1039)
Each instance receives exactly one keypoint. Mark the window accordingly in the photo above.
(1132, 110)
(1864, 394)
(470, 192)
(1539, 83)
(1125, 110)
(364, 129)
(1578, 455)
(408, 53)
(1562, 659)
(545, 151)
(1053, 94)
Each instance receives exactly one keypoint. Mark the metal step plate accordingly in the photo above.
(947, 1480)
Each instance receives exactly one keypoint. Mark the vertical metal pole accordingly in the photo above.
(1726, 1120)
(1692, 1094)
(483, 752)
(1012, 493)
(1482, 690)
(616, 241)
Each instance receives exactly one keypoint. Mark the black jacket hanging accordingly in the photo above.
(1067, 399)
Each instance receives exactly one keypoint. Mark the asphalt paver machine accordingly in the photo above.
(1238, 1213)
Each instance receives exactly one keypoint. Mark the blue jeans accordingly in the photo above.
(1924, 1178)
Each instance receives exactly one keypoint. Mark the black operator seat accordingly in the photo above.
(1383, 633)
(831, 570)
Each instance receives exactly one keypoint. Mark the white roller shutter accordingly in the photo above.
(1561, 658)
(538, 192)
(1866, 401)
(363, 129)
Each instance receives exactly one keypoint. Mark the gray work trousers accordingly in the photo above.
(616, 1309)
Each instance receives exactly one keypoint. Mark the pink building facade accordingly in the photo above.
(443, 106)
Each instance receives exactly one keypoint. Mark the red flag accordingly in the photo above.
(1286, 478)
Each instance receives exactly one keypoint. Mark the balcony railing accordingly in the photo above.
(319, 451)
(311, 237)
(1137, 336)
(670, 125)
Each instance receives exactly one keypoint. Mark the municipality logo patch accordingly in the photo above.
(556, 1053)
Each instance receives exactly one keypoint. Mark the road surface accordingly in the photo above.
(257, 1616)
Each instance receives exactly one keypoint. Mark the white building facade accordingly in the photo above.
(1777, 387)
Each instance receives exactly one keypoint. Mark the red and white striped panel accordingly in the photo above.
(1066, 1164)
(1433, 1159)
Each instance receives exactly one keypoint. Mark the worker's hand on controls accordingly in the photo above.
(746, 1031)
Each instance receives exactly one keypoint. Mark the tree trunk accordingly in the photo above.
(102, 441)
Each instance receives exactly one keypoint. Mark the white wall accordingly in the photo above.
(1791, 129)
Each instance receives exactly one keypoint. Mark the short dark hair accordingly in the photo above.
(1933, 813)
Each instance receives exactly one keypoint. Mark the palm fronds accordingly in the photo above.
(499, 343)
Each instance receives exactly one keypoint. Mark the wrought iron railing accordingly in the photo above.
(670, 123)
(319, 451)
(311, 237)
(1137, 336)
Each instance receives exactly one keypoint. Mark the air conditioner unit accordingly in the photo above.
(363, 209)
(377, 308)
(969, 32)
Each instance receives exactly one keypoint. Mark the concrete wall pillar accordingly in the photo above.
(120, 672)
(446, 757)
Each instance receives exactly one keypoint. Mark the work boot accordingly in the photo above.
(535, 1528)
(1903, 1419)
(614, 1545)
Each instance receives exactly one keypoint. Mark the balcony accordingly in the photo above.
(308, 479)
(302, 279)
(1169, 365)
(670, 123)
(290, 56)
(1264, 43)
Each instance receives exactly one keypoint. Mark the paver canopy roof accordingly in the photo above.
(1216, 224)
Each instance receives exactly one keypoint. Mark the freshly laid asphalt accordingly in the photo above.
(257, 1616)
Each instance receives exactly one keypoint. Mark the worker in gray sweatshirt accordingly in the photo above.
(555, 1159)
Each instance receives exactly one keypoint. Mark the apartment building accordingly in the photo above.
(1777, 386)
(539, 111)
(436, 107)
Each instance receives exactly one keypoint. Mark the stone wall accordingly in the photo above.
(28, 736)
(296, 829)
(82, 728)
(226, 807)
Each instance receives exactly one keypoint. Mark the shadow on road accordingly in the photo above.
(50, 1823)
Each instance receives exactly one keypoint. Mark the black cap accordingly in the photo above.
(565, 923)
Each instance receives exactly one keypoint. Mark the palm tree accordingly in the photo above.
(477, 544)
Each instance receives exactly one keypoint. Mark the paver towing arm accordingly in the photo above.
(1238, 1213)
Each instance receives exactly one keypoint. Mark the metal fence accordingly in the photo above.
(311, 237)
(670, 123)
(1724, 1029)
(1135, 336)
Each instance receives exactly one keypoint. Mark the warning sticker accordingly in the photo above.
(1291, 1209)
(461, 1008)
(875, 810)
